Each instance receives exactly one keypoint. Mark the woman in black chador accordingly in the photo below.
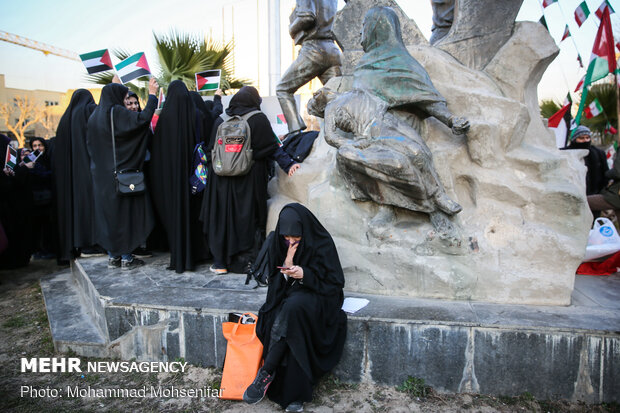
(234, 208)
(301, 324)
(177, 132)
(122, 223)
(71, 176)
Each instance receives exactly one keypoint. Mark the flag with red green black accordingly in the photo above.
(133, 67)
(208, 80)
(97, 61)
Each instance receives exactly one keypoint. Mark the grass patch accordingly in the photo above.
(14, 322)
(415, 387)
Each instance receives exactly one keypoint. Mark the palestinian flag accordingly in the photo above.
(581, 13)
(602, 7)
(558, 124)
(280, 119)
(98, 61)
(208, 80)
(580, 84)
(162, 98)
(566, 33)
(548, 3)
(594, 109)
(11, 157)
(602, 61)
(133, 67)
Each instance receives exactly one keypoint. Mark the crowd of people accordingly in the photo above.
(65, 203)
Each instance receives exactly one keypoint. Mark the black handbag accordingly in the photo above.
(128, 181)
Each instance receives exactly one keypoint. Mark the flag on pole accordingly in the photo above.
(558, 124)
(593, 109)
(98, 61)
(566, 33)
(579, 60)
(581, 13)
(133, 67)
(605, 4)
(610, 153)
(11, 157)
(610, 130)
(162, 98)
(548, 3)
(543, 21)
(602, 61)
(208, 80)
(580, 84)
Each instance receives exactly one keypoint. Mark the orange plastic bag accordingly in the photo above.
(244, 354)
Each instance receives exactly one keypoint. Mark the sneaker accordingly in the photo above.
(130, 265)
(142, 253)
(295, 407)
(218, 270)
(257, 390)
(114, 262)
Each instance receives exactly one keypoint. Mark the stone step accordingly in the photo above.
(73, 327)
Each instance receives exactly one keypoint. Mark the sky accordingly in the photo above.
(84, 26)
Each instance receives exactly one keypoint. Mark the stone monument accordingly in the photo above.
(524, 222)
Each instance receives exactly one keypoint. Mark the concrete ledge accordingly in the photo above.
(552, 352)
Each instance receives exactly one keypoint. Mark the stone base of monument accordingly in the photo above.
(152, 314)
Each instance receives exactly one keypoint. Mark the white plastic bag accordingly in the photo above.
(603, 240)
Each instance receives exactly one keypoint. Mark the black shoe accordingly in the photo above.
(295, 407)
(114, 262)
(257, 390)
(130, 265)
(142, 253)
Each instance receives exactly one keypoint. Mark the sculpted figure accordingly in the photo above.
(388, 71)
(311, 27)
(443, 16)
(380, 156)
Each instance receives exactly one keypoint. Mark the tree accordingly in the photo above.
(20, 116)
(50, 121)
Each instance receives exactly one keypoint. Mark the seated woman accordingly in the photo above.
(301, 324)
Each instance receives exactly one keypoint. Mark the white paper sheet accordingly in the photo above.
(352, 305)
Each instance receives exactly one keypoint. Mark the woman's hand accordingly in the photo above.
(292, 249)
(293, 168)
(295, 272)
(153, 86)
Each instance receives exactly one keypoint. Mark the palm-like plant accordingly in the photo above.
(548, 107)
(181, 55)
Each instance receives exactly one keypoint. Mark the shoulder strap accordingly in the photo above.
(113, 143)
(250, 114)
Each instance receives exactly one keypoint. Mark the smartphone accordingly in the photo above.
(284, 268)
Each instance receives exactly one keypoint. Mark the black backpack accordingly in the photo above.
(263, 264)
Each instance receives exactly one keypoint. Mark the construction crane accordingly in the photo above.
(42, 47)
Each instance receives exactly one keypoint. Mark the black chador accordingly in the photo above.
(301, 322)
(71, 176)
(177, 132)
(121, 223)
(234, 208)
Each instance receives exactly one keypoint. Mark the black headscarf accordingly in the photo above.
(171, 161)
(245, 101)
(122, 223)
(71, 176)
(387, 69)
(316, 325)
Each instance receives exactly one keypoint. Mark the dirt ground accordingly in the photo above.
(25, 332)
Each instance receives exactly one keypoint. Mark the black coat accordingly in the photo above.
(234, 208)
(121, 223)
(71, 176)
(171, 162)
(316, 327)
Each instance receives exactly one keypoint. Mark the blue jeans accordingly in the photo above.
(124, 257)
